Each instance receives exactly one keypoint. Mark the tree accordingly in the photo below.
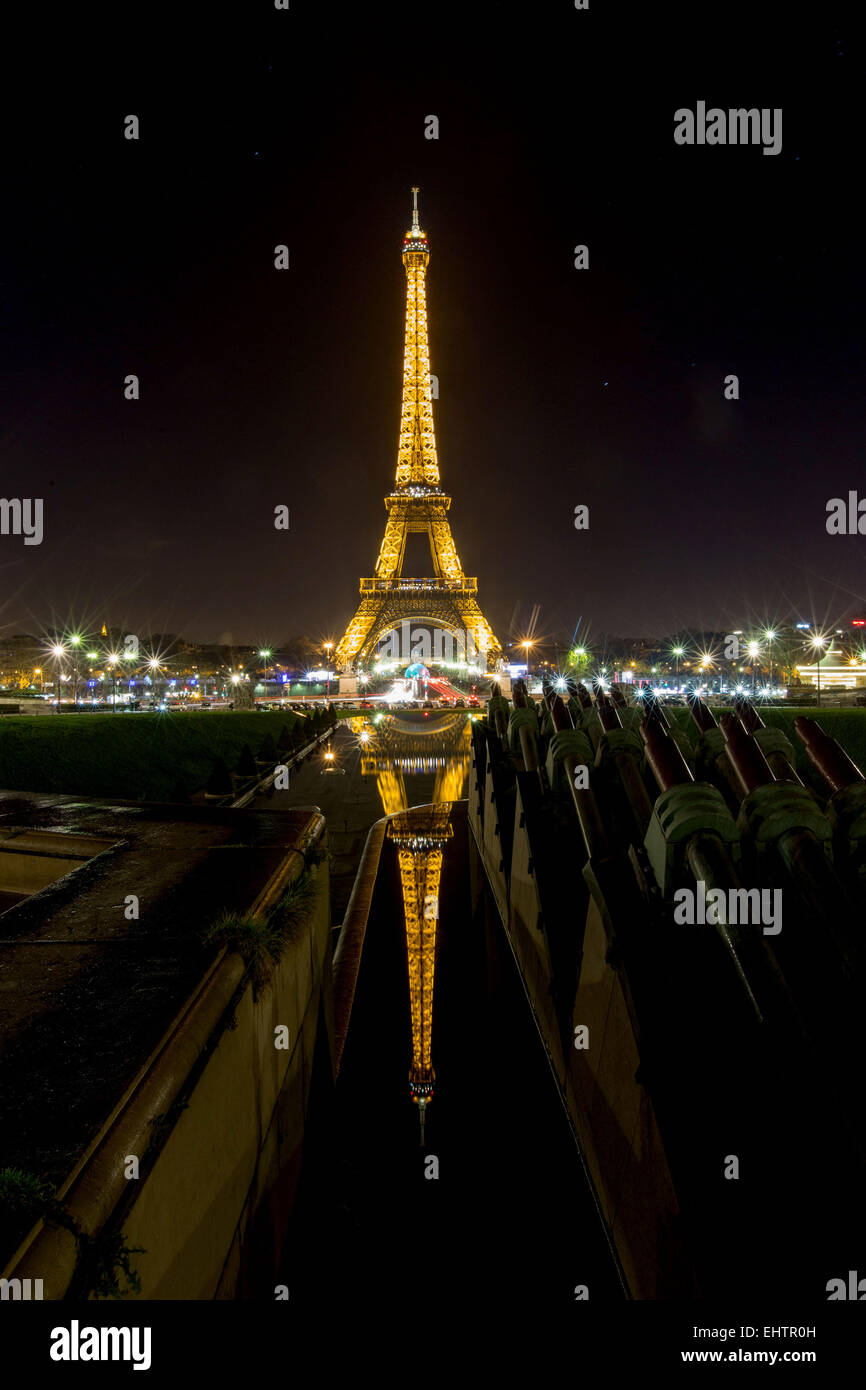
(220, 781)
(247, 763)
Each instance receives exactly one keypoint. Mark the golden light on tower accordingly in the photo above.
(420, 836)
(416, 451)
(417, 504)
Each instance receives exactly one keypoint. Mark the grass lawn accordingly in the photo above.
(139, 757)
(848, 726)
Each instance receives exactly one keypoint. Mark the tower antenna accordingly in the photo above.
(416, 228)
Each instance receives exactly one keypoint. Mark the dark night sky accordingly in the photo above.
(258, 387)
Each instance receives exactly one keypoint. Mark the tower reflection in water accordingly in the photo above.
(401, 748)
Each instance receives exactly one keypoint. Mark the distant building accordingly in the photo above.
(835, 669)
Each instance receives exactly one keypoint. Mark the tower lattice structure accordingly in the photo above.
(421, 835)
(417, 504)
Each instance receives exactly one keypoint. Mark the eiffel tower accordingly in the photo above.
(417, 504)
(420, 835)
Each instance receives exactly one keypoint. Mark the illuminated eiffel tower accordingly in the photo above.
(417, 504)
(420, 835)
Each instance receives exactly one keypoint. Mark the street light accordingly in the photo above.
(770, 638)
(328, 647)
(818, 643)
(58, 651)
(264, 654)
(128, 656)
(153, 665)
(578, 657)
(111, 665)
(526, 644)
(677, 653)
(74, 640)
(754, 652)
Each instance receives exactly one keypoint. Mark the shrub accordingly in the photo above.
(247, 764)
(268, 750)
(26, 1198)
(261, 939)
(220, 781)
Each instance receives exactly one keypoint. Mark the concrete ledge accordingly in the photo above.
(269, 778)
(350, 944)
(197, 1055)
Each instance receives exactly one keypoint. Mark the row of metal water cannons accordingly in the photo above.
(732, 892)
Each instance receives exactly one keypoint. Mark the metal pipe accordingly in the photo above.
(526, 734)
(608, 716)
(664, 759)
(702, 714)
(747, 713)
(782, 767)
(585, 804)
(750, 766)
(709, 862)
(799, 849)
(827, 755)
(654, 713)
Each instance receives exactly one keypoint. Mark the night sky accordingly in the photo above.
(557, 386)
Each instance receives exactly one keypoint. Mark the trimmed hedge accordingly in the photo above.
(139, 757)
